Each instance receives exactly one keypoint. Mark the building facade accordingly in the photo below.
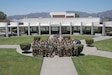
(59, 23)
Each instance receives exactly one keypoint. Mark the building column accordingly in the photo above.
(92, 29)
(17, 29)
(11, 30)
(6, 30)
(28, 29)
(71, 28)
(49, 28)
(103, 29)
(60, 32)
(39, 30)
(81, 28)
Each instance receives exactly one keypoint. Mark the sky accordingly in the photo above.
(21, 7)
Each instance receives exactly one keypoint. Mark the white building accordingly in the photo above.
(59, 23)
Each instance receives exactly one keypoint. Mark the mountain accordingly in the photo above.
(105, 14)
(82, 14)
(99, 14)
(31, 15)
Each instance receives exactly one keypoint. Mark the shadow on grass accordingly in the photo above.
(90, 46)
(81, 54)
(27, 52)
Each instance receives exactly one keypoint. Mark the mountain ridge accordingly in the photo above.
(106, 14)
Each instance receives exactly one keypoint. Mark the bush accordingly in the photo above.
(68, 37)
(37, 38)
(89, 42)
(25, 46)
(80, 48)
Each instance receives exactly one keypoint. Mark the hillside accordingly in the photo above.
(105, 14)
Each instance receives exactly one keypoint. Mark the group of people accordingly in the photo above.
(54, 46)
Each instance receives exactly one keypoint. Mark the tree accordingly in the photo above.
(3, 16)
(77, 15)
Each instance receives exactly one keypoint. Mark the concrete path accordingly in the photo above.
(58, 66)
(94, 51)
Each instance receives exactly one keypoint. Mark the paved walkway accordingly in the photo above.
(58, 66)
(64, 65)
(94, 51)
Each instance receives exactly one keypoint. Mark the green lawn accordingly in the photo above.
(18, 40)
(81, 37)
(105, 45)
(12, 63)
(29, 39)
(93, 65)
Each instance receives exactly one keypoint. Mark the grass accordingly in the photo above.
(81, 37)
(29, 39)
(93, 65)
(104, 45)
(19, 40)
(44, 37)
(12, 63)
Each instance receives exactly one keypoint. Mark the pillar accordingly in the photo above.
(17, 29)
(11, 30)
(81, 28)
(71, 28)
(103, 29)
(92, 29)
(60, 32)
(6, 30)
(39, 30)
(28, 29)
(49, 28)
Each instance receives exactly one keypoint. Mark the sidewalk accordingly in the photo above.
(58, 66)
(94, 51)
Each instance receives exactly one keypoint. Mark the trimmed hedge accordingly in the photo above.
(80, 48)
(25, 46)
(89, 42)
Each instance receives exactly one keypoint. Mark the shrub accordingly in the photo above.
(68, 37)
(25, 46)
(80, 48)
(37, 38)
(89, 42)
